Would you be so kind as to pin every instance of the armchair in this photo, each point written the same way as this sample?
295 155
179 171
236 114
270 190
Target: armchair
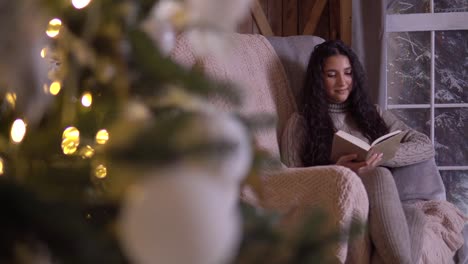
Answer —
269 73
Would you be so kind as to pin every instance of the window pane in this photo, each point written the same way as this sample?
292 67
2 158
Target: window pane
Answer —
415 118
456 186
451 83
408 68
409 7
451 136
441 6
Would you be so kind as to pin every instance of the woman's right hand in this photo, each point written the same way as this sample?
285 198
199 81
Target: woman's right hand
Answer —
359 167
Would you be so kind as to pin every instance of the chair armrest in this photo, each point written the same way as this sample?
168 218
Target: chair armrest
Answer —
339 192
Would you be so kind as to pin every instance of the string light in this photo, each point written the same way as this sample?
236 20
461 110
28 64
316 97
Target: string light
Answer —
79 4
102 136
18 130
71 133
1 167
100 171
53 28
11 99
70 140
87 99
43 52
87 152
55 88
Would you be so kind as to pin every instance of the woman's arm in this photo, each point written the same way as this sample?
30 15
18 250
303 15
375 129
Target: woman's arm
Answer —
415 146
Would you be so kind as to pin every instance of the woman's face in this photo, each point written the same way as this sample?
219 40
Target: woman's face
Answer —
337 78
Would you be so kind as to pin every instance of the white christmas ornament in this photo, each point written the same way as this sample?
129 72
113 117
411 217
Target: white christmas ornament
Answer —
230 166
179 216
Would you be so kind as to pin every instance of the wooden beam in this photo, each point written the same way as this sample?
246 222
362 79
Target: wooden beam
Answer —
314 16
346 10
264 5
260 19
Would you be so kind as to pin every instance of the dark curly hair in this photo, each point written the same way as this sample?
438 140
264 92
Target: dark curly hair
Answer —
314 105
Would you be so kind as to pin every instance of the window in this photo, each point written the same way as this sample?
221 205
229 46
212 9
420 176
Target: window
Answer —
427 81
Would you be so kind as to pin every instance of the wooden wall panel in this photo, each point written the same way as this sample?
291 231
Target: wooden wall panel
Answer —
346 20
290 17
304 9
334 19
290 26
275 16
323 27
247 26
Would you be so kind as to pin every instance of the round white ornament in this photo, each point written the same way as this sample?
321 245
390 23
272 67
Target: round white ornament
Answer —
179 216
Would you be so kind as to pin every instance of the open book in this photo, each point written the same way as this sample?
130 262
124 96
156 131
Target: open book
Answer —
344 143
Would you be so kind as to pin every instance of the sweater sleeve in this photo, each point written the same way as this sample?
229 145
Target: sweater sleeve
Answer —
415 146
293 135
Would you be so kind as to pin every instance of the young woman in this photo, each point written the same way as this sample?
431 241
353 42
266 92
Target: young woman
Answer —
334 98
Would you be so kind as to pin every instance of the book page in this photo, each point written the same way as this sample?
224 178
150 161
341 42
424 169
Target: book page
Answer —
344 144
355 140
387 147
384 137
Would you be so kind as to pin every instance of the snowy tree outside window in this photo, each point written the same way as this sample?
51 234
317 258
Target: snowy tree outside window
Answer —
427 81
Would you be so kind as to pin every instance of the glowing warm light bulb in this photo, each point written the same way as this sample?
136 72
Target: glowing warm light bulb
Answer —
70 140
43 52
100 171
72 133
102 136
1 167
55 88
87 152
18 130
11 99
78 4
53 28
87 99
69 146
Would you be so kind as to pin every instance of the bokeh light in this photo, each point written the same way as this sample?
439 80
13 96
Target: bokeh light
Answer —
2 171
11 99
87 99
100 171
53 29
87 152
18 131
102 136
70 140
79 4
55 88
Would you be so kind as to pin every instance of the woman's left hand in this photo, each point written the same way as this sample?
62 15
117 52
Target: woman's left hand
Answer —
371 163
360 167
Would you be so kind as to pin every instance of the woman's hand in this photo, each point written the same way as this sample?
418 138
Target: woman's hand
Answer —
360 167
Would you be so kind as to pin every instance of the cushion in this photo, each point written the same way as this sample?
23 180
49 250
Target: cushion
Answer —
420 181
294 53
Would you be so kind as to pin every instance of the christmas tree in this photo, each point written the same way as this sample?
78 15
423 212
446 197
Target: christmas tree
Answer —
106 144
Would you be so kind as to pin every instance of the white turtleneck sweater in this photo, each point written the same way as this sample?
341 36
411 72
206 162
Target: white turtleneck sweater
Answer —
416 147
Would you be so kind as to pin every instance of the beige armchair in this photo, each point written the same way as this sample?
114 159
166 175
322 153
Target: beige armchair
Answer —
268 85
